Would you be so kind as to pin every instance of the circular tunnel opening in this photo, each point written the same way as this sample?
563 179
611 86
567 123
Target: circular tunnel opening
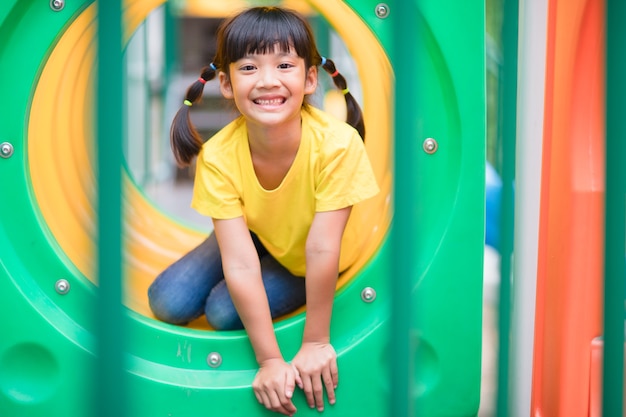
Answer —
61 144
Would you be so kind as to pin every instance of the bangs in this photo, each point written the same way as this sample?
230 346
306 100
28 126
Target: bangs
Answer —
261 32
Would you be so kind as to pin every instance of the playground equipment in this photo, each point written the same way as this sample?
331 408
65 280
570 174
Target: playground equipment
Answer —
573 174
561 251
47 228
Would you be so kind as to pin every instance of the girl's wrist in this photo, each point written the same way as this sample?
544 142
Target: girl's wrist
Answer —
265 357
315 336
267 361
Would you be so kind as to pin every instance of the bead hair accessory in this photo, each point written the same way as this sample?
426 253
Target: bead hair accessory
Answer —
323 61
201 80
334 74
187 103
213 67
345 91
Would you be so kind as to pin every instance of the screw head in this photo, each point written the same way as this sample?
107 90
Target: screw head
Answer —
57 5
368 294
6 149
214 359
382 10
62 286
430 146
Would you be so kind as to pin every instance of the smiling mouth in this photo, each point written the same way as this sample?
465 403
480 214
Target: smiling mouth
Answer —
269 102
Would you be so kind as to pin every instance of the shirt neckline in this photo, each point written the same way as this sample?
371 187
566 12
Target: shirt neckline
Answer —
249 166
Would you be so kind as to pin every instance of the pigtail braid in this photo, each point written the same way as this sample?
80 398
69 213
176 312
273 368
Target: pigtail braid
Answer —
354 114
184 138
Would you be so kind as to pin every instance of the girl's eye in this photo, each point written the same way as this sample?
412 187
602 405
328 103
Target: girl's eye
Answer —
285 66
247 68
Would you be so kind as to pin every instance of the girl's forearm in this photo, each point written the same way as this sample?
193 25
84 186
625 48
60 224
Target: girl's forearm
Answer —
322 269
321 282
242 272
251 303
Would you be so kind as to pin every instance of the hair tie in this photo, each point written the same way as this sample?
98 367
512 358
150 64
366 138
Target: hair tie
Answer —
213 67
202 80
187 103
334 74
345 91
323 61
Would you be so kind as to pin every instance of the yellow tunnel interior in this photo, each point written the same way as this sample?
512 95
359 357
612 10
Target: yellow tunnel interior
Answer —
61 134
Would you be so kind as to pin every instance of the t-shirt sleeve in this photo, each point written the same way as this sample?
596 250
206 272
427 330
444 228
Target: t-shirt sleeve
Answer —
214 194
346 176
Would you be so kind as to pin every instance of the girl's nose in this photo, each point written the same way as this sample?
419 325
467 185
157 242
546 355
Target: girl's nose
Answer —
268 78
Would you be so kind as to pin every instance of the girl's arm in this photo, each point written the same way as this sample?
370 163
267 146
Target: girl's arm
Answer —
317 361
275 380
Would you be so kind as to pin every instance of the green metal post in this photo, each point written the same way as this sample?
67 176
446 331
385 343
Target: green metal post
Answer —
404 248
615 227
110 389
507 131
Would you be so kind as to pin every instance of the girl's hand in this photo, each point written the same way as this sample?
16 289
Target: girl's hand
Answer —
273 386
316 364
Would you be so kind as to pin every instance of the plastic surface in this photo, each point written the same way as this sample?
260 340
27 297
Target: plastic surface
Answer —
47 230
571 222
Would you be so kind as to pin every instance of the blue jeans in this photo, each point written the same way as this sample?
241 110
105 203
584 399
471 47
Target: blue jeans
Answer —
194 285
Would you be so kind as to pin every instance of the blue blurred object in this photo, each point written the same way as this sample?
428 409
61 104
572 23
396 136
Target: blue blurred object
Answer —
493 189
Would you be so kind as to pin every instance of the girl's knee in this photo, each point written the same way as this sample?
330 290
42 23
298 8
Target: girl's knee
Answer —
220 311
223 319
169 308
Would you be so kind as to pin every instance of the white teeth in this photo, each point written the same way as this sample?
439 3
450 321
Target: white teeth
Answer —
271 102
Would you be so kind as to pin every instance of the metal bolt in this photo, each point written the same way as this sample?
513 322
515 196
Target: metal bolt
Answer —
382 10
368 294
430 146
6 149
214 359
62 286
57 5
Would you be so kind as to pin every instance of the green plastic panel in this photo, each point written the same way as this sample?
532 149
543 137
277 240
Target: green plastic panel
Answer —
48 341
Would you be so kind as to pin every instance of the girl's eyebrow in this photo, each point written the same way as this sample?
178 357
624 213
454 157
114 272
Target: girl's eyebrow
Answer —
280 53
290 51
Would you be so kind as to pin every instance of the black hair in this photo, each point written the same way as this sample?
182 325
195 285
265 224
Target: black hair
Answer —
257 30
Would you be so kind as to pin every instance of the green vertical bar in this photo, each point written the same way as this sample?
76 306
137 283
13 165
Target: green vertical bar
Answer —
171 41
615 227
507 130
404 249
110 386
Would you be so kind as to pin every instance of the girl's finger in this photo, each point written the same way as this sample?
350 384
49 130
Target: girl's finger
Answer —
277 404
334 372
318 392
298 378
308 391
329 384
258 396
265 400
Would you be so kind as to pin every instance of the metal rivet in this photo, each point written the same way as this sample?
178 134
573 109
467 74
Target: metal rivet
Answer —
6 149
214 359
430 146
382 10
368 294
62 286
57 5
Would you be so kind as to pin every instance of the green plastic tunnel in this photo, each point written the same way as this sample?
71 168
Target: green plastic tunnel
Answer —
48 227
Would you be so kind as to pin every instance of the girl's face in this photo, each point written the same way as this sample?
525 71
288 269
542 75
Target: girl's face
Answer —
269 89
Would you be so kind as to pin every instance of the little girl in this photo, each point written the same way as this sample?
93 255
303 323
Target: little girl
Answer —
279 183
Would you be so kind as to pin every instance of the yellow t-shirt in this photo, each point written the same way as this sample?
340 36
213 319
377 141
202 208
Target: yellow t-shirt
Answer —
330 171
